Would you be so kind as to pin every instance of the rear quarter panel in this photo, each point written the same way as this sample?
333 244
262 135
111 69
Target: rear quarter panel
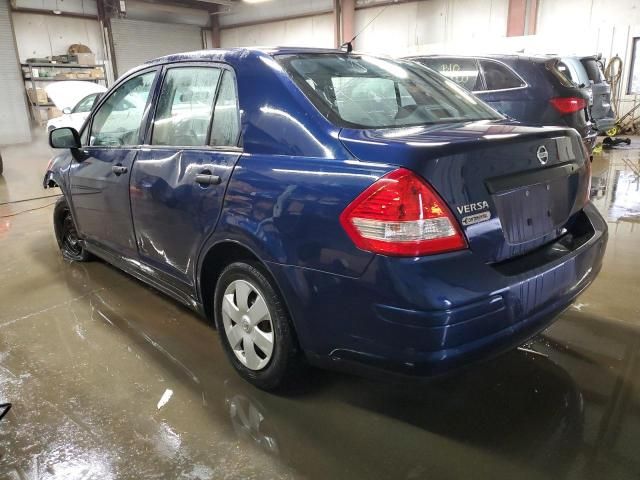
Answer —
286 210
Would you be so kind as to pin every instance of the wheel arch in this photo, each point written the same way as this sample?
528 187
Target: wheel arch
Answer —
215 259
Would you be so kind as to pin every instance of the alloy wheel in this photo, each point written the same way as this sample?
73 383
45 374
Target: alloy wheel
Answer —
247 324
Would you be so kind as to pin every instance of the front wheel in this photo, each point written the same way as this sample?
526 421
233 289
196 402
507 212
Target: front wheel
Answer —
67 234
255 328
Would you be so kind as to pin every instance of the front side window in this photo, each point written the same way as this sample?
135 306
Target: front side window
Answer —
499 77
359 91
463 71
119 118
185 105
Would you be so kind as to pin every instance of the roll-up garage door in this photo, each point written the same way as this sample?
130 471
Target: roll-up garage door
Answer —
136 41
14 119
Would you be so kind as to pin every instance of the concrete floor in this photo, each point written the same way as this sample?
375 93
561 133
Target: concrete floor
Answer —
110 379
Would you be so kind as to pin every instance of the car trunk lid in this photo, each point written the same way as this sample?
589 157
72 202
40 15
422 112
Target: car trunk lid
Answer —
512 188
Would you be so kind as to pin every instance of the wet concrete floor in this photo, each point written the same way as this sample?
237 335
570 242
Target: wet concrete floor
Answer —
110 379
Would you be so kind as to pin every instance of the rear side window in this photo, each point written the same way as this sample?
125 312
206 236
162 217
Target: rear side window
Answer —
184 108
463 71
225 128
499 77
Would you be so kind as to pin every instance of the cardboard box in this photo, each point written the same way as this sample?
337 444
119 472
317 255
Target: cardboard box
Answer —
53 112
38 95
86 58
83 75
96 73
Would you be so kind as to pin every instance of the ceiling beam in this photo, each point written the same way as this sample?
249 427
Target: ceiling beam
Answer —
199 4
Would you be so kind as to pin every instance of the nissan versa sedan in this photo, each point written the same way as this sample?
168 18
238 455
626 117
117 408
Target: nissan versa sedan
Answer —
330 208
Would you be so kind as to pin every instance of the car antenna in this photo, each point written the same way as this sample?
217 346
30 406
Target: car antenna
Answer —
349 45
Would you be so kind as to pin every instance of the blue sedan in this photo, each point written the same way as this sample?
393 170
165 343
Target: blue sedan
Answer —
330 208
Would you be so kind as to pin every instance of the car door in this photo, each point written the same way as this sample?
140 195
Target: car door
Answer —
504 90
99 180
179 179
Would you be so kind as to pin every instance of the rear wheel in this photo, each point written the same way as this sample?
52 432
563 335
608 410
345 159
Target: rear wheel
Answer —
67 234
254 327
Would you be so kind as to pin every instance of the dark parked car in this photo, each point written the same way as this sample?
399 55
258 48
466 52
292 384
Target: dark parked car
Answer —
530 89
601 110
345 209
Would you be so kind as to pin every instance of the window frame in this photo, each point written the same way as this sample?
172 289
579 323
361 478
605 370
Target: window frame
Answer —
144 121
484 80
152 117
635 49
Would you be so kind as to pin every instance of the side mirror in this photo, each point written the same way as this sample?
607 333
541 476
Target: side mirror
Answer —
66 110
65 137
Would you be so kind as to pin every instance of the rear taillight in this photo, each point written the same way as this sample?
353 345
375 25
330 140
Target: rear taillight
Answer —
401 215
566 105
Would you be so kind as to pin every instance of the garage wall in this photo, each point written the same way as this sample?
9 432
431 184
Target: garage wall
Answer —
315 31
14 122
85 7
45 35
436 22
136 41
275 9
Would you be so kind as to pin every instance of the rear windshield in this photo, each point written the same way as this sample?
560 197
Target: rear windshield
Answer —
593 69
574 70
561 72
359 91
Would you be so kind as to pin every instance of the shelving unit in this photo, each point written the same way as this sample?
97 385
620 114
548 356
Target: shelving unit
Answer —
38 73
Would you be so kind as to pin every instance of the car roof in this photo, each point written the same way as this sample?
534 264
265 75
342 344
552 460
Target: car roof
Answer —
238 52
492 56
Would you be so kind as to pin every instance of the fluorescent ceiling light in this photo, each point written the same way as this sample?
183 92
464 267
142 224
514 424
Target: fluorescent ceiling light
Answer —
254 1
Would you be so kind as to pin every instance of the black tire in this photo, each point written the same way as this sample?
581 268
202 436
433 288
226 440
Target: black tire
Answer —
286 361
67 234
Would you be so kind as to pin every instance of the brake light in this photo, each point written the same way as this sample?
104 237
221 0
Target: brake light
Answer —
401 215
566 105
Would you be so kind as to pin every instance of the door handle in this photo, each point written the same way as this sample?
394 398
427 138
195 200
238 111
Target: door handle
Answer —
207 179
119 169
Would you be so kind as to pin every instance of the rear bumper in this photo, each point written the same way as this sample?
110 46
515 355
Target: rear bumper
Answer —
604 124
429 315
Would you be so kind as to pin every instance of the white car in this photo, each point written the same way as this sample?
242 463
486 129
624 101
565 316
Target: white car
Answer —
75 99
